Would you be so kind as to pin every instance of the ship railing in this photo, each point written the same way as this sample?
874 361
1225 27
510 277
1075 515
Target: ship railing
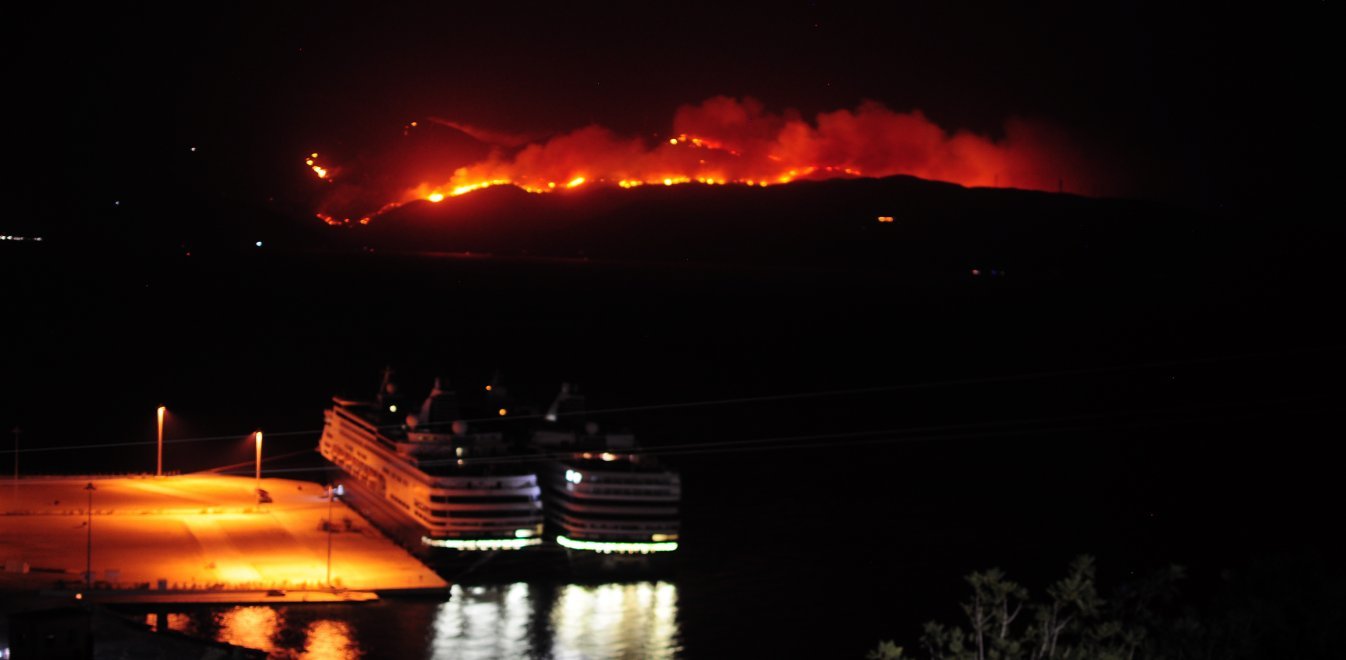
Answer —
625 493
662 527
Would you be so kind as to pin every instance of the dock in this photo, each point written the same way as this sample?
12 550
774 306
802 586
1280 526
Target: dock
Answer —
197 538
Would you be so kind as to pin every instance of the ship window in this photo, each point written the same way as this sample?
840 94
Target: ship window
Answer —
481 499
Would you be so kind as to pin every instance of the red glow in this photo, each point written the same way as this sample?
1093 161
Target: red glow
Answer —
727 141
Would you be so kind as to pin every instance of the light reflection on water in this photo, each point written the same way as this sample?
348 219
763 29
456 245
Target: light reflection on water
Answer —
623 620
254 627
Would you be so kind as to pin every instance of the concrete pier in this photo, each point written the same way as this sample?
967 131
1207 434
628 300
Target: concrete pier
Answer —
196 538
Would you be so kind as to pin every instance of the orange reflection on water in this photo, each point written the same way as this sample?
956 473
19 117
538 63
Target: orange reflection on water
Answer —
329 640
254 627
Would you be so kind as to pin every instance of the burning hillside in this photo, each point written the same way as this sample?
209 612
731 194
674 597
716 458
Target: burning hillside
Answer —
721 141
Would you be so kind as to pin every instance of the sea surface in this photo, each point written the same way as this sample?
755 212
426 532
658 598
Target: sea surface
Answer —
518 620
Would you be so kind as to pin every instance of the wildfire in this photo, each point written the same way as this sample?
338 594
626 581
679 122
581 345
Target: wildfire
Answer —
725 141
312 162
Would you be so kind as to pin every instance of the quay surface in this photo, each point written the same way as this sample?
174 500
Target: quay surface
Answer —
197 538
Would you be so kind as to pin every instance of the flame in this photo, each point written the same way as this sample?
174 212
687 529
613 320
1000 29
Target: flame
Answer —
727 141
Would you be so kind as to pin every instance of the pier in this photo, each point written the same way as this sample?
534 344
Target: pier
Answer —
197 538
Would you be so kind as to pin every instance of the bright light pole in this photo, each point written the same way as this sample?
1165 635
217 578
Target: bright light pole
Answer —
159 470
259 467
88 549
331 496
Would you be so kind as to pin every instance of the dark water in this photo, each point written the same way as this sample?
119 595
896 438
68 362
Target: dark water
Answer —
1147 415
632 620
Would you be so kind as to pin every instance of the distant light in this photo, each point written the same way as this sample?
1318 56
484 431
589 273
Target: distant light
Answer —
488 388
668 182
885 218
392 408
116 202
673 140
313 155
524 533
436 197
79 596
608 456
502 412
259 244
193 148
574 477
577 181
976 272
340 490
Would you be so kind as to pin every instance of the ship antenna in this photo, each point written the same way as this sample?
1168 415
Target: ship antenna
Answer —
385 385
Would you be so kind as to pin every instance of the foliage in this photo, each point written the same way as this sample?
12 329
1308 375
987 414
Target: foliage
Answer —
1072 622
1281 606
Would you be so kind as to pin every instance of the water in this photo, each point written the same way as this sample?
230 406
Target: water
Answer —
614 620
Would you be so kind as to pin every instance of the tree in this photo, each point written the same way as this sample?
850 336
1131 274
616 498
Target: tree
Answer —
1074 622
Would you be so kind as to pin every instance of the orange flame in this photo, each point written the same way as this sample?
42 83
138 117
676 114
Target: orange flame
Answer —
726 141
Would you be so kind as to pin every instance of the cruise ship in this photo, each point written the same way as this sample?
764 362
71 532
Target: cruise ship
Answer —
607 504
440 484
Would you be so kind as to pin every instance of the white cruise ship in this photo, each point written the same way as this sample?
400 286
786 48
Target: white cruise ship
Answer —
603 497
418 468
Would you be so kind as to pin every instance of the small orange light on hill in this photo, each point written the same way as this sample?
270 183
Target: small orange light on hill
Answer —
885 218
503 412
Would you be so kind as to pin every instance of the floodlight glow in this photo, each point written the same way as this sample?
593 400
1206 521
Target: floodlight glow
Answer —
480 544
607 547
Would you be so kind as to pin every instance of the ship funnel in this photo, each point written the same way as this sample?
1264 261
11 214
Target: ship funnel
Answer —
441 407
568 402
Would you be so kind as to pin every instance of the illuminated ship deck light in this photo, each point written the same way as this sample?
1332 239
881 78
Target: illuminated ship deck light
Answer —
481 544
608 547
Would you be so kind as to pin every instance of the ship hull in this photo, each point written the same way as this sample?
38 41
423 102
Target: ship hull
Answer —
464 566
587 565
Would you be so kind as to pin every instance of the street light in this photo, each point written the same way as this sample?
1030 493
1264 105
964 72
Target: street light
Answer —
88 550
259 467
159 470
331 497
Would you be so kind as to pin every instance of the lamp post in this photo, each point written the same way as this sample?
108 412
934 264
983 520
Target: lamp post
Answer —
259 467
159 469
331 496
88 548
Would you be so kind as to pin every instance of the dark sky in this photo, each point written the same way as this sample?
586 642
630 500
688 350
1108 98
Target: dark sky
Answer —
1201 106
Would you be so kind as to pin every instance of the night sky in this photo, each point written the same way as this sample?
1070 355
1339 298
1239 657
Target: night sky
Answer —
1214 109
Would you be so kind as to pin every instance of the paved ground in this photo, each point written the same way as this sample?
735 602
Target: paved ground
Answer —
196 531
